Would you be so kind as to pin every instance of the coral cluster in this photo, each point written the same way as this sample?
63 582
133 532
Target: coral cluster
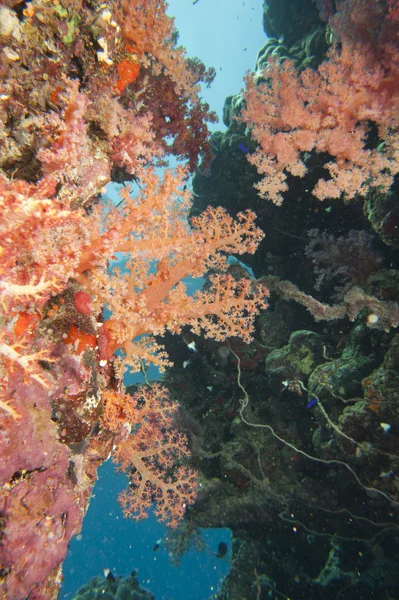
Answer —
113 587
337 110
80 106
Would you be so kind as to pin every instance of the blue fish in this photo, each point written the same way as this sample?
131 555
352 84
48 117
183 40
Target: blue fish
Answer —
311 403
243 148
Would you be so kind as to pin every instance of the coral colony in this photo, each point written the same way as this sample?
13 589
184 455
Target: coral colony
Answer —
95 92
90 93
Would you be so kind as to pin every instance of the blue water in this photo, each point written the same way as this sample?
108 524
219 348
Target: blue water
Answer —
109 541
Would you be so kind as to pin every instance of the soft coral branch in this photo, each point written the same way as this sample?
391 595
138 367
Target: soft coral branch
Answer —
146 302
151 453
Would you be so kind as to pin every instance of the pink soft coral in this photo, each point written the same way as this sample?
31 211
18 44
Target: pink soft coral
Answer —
329 111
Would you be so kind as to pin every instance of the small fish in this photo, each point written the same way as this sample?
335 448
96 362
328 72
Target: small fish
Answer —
243 148
186 363
386 427
387 474
156 545
108 575
311 403
192 347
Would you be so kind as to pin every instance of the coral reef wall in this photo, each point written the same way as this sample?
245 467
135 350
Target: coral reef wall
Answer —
94 92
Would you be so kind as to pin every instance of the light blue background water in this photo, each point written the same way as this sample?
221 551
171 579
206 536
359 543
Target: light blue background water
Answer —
108 541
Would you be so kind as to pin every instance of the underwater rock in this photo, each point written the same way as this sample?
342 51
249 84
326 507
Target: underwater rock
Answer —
344 374
289 20
113 587
296 360
383 213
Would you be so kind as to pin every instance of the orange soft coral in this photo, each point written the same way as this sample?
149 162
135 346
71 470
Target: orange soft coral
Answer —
151 454
153 229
